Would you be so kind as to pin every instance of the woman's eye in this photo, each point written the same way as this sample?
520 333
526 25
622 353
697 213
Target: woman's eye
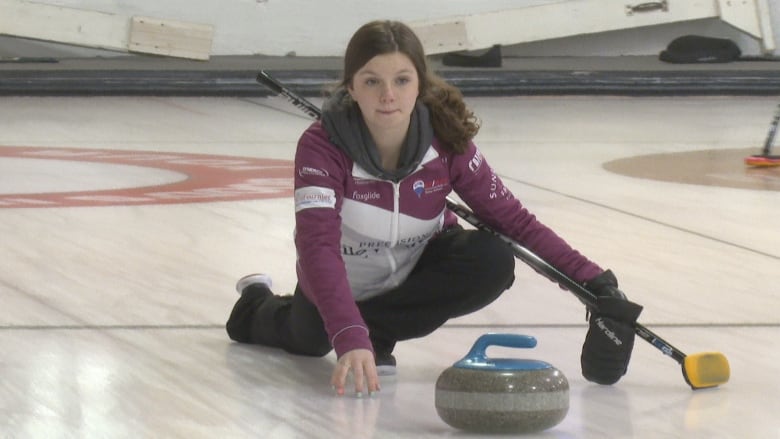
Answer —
402 81
371 81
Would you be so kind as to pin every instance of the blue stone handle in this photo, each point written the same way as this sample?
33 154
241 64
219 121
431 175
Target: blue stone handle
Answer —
477 353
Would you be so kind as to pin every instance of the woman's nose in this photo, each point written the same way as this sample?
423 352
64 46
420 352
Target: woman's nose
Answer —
387 93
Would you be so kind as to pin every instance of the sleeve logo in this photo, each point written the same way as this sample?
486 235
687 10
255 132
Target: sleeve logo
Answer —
306 170
475 162
311 197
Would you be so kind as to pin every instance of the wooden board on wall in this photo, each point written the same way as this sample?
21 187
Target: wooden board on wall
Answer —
104 30
170 38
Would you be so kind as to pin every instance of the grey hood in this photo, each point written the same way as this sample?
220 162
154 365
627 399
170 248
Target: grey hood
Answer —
346 128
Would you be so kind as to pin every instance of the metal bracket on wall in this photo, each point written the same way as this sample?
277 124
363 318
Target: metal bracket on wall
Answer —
647 7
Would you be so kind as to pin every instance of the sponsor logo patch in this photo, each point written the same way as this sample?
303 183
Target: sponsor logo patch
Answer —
365 196
418 187
306 170
421 187
313 196
476 162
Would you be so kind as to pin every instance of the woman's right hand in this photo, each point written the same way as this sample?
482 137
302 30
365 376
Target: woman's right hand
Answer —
360 362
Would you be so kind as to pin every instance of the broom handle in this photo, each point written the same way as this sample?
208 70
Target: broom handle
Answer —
770 138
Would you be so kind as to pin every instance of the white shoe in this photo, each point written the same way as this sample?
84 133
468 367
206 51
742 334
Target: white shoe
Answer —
385 371
385 364
252 279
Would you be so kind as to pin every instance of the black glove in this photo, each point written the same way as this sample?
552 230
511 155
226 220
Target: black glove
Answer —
610 339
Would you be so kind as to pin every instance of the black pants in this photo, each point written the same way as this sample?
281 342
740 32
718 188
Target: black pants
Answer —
460 271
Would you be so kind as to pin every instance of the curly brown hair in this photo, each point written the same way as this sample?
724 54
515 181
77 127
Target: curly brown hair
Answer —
454 124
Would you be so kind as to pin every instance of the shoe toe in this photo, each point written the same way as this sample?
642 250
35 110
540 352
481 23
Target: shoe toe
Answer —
251 279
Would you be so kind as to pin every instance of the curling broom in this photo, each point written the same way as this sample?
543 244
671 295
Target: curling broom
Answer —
765 159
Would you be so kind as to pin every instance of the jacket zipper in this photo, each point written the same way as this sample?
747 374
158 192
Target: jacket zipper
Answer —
395 223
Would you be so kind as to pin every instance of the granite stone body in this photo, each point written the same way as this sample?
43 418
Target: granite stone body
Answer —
502 396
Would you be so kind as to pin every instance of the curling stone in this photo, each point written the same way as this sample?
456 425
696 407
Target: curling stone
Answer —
502 395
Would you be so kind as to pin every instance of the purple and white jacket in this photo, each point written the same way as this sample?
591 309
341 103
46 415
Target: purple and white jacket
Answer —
358 235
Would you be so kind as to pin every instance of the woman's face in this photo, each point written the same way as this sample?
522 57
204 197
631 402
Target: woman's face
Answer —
386 90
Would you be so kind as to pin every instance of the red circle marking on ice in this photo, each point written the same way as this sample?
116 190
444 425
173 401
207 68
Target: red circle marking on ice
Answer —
209 178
